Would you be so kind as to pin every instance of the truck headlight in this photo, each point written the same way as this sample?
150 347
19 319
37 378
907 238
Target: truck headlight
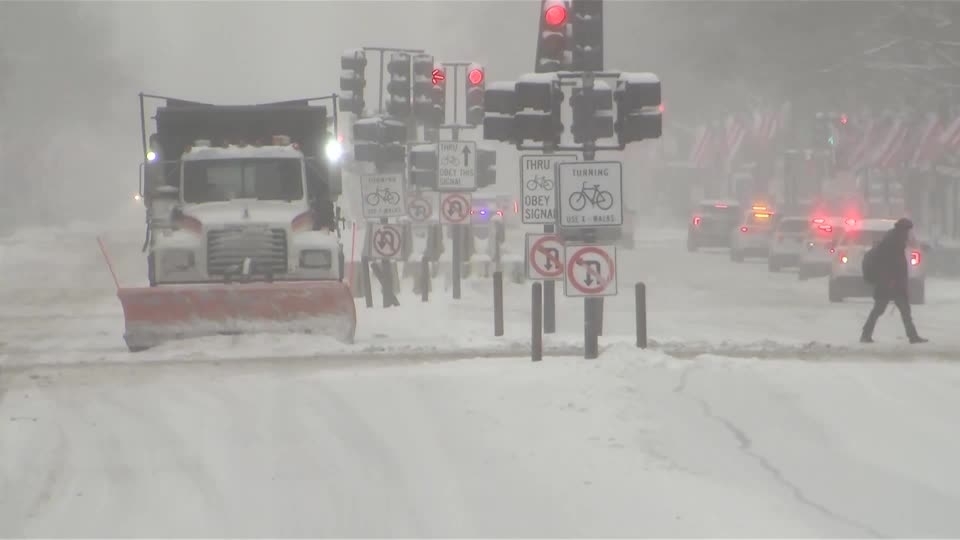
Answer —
316 258
177 260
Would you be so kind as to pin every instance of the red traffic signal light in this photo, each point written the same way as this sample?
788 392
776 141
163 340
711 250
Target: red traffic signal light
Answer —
555 15
475 76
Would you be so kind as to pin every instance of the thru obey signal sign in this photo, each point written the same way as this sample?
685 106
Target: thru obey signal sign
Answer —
591 271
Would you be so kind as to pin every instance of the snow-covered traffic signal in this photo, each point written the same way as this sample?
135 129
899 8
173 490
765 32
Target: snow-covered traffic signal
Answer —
423 95
638 100
586 24
552 43
399 87
486 167
538 100
592 113
353 64
474 92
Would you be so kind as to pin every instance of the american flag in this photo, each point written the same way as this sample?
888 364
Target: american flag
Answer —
926 141
949 142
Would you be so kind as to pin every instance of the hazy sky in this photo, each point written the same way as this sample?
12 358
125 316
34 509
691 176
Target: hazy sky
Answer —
76 75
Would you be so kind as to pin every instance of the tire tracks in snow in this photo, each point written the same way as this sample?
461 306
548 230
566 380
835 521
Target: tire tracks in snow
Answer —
745 445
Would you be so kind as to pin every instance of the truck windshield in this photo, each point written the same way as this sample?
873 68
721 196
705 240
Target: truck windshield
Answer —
270 179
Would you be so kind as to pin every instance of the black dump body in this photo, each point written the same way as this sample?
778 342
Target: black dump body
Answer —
180 123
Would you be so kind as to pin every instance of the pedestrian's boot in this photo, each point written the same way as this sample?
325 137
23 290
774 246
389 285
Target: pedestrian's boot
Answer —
865 338
918 339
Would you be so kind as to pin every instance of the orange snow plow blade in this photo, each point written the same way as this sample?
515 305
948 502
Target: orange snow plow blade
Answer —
154 315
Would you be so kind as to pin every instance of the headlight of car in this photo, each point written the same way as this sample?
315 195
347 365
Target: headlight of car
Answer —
177 260
316 258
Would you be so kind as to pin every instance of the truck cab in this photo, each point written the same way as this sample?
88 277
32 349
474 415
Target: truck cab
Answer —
227 208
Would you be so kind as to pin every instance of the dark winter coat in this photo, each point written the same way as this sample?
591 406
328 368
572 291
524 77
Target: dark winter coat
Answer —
891 261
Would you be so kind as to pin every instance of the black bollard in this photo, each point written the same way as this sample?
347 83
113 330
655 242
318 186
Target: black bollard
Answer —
640 294
536 312
498 303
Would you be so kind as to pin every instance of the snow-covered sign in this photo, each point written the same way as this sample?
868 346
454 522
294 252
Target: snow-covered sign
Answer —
538 186
382 196
591 194
591 271
423 207
457 165
544 256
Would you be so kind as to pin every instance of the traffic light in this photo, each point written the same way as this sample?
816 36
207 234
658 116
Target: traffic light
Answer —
486 167
423 166
500 104
439 97
399 87
423 88
378 140
587 29
638 100
476 83
552 44
592 113
353 62
538 99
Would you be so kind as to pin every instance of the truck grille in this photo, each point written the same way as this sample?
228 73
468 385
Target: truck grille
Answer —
267 249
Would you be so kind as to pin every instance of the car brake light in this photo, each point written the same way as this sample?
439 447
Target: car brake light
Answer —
500 213
915 258
720 206
819 220
850 221
743 229
696 221
832 250
825 228
761 215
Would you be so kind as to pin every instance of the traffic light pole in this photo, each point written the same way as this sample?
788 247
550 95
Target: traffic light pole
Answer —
385 276
457 231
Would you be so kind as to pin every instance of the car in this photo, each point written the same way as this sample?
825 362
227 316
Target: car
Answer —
819 246
751 238
711 224
846 271
787 243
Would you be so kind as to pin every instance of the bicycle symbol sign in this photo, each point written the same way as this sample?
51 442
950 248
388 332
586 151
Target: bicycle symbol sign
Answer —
591 194
538 187
382 196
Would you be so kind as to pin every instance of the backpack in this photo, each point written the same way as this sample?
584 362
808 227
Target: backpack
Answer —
869 267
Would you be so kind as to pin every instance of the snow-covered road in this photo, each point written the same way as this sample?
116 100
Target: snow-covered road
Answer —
626 446
718 430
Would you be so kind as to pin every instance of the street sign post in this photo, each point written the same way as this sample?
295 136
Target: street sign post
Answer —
590 194
423 207
590 271
538 187
386 241
544 256
455 208
382 196
457 165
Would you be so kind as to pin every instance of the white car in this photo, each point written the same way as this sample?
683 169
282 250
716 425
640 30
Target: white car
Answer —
787 243
846 272
751 238
819 246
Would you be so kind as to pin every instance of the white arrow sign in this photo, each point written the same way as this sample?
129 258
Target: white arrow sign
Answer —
457 162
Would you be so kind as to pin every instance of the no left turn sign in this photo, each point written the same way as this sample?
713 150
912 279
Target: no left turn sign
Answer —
454 208
544 256
591 271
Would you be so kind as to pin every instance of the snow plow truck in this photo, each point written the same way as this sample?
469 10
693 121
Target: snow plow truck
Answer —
242 224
